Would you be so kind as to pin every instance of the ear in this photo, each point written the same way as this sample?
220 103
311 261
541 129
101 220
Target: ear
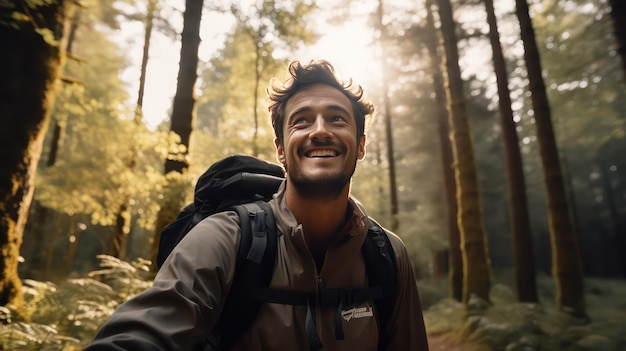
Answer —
361 151
280 152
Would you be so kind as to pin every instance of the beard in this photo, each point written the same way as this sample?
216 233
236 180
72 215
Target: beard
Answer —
326 186
330 187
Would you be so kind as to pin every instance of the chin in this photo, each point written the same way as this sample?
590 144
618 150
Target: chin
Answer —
320 185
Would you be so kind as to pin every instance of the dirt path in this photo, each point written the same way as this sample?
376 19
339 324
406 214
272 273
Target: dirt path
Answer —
444 343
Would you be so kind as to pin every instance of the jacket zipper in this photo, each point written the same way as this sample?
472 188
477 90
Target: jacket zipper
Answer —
317 311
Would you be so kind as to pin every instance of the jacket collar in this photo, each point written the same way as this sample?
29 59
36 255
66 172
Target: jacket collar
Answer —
287 223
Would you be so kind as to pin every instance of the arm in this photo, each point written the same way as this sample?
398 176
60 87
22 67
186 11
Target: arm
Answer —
409 332
187 295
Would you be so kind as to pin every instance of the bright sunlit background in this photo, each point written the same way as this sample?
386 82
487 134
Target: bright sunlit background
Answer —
348 46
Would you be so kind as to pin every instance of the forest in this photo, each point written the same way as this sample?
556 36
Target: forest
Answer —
496 152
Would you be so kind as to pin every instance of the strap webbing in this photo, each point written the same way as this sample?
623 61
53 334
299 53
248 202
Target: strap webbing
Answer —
327 297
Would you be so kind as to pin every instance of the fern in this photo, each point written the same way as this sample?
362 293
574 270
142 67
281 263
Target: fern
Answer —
67 316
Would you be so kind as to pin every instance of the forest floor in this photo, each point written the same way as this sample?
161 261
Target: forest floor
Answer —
506 324
445 343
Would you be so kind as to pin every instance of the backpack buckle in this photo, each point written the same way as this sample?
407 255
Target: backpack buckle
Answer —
379 240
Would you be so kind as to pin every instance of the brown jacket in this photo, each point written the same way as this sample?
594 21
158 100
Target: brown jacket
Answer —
187 296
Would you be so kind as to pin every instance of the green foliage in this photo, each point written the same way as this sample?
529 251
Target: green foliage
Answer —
67 316
28 15
97 179
228 85
107 159
234 81
583 73
510 325
22 336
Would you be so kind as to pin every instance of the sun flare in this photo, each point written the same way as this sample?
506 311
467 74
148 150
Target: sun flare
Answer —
350 48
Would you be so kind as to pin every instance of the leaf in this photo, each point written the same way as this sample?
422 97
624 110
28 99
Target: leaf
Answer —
48 36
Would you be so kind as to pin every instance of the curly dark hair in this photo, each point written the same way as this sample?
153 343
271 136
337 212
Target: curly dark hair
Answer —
302 77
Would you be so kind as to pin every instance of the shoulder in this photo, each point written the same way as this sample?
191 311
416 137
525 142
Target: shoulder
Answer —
216 235
399 249
396 242
221 221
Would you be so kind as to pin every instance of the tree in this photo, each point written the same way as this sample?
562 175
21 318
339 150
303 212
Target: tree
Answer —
476 266
39 213
123 220
183 111
391 159
91 179
35 42
566 261
227 100
455 258
250 56
584 80
518 205
267 23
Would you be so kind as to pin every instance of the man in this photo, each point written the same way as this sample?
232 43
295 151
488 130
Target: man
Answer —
319 124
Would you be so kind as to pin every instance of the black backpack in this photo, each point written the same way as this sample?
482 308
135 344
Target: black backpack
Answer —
245 184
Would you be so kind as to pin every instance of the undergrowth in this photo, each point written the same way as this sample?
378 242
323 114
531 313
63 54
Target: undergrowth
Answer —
66 316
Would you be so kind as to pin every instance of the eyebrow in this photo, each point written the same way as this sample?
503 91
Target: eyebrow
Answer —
329 107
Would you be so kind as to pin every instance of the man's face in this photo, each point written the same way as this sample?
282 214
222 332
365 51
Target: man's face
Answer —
320 149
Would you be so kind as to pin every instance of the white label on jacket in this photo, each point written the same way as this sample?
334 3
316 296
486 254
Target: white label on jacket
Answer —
357 312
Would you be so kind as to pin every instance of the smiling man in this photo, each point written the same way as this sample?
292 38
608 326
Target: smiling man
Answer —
322 248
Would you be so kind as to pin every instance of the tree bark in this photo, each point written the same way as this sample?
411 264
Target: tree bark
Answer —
455 258
39 232
566 261
476 264
183 111
391 158
29 67
518 205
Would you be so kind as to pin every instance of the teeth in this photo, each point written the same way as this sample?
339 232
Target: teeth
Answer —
322 153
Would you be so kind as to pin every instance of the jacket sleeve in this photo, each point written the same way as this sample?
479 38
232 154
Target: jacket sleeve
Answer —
408 330
184 302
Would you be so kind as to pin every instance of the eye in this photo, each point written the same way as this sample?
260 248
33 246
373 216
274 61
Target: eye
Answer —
337 118
299 120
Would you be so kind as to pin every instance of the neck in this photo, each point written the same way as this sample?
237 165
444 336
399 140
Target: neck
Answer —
321 217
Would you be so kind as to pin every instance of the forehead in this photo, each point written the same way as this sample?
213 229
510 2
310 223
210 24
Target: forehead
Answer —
318 96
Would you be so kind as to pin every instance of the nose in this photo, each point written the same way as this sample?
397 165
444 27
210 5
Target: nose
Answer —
320 130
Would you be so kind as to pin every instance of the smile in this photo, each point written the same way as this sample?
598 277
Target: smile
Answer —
321 153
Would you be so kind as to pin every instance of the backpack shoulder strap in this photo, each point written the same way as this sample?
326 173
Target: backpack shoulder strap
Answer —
381 267
256 259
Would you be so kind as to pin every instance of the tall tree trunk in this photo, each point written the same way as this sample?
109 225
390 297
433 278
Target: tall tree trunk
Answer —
618 13
149 23
183 111
518 205
391 158
455 258
29 67
122 227
40 233
566 260
476 265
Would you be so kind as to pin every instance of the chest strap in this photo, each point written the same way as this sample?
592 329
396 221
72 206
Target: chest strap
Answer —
323 298
339 298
